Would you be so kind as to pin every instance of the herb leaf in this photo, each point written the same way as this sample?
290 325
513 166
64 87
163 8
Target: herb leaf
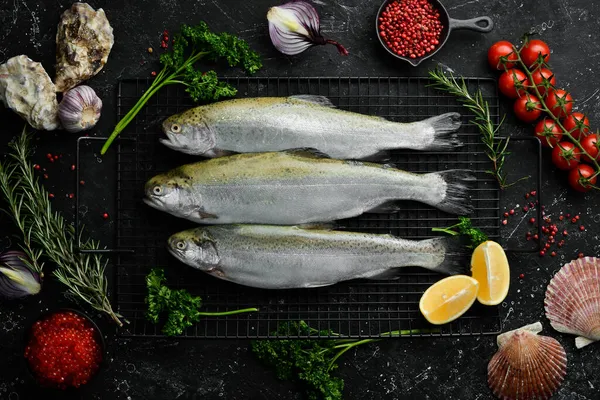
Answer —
190 45
182 309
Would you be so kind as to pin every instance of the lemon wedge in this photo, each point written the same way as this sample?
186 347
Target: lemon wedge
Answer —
489 266
448 299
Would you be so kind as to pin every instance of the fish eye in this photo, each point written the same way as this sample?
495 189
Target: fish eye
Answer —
175 128
157 190
180 245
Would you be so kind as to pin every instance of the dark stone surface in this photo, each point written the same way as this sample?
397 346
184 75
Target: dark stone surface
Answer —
419 369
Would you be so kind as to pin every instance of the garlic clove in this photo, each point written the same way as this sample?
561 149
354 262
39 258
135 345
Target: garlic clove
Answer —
79 109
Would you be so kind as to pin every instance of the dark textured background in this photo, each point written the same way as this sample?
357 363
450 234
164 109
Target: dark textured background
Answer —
418 368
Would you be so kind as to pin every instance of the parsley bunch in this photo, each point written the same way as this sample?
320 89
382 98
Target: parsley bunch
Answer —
309 362
182 309
190 45
465 227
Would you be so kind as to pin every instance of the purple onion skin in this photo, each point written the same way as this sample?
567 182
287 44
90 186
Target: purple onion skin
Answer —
292 43
10 289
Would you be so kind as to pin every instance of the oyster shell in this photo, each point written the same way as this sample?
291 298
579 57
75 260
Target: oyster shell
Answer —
572 300
526 366
26 88
83 43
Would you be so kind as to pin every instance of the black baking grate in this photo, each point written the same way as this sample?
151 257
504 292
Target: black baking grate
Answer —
353 309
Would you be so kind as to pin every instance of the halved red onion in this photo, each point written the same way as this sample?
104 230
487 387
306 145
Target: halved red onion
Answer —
294 27
16 280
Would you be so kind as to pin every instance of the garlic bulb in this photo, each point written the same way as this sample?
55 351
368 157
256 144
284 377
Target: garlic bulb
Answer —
79 109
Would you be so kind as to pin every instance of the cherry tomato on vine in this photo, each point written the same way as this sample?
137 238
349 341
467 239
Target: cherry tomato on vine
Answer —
582 178
590 145
511 83
566 156
527 108
500 54
544 79
559 102
548 132
578 124
531 51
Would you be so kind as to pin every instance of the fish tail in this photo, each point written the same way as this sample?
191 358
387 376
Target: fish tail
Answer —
444 136
456 199
456 260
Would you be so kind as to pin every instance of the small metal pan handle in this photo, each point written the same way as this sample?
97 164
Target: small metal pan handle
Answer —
479 24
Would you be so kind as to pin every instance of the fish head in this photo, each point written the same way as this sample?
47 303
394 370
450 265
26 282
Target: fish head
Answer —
189 133
169 193
196 248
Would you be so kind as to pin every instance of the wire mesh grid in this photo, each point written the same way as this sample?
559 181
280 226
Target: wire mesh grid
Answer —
354 309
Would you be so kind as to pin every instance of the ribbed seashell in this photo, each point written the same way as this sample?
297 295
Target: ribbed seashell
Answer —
83 43
26 88
526 366
573 300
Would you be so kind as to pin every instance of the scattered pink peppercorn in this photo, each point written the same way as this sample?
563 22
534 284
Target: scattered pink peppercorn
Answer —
511 212
522 276
582 228
105 215
504 222
580 255
531 220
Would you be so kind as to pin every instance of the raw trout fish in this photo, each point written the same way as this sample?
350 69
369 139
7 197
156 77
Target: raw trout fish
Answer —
286 257
266 124
297 187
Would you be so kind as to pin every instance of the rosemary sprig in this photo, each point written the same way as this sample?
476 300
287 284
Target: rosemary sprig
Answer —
29 204
14 209
496 149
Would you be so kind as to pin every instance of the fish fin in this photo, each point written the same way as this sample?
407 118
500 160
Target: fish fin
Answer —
321 226
444 136
581 341
387 275
310 98
387 207
215 153
205 215
381 156
456 199
307 152
456 255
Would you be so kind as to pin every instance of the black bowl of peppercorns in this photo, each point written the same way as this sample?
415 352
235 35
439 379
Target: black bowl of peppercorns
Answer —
414 30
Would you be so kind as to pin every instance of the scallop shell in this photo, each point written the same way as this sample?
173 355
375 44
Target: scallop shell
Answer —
573 300
83 43
26 88
526 366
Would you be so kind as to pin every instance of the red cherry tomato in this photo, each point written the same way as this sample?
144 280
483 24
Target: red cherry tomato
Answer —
565 156
578 124
527 108
582 178
530 53
499 55
548 132
559 102
590 145
544 79
511 83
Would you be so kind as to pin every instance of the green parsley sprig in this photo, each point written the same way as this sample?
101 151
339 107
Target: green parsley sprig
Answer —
192 44
309 362
465 227
182 309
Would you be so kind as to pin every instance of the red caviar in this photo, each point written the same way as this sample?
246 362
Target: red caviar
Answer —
63 350
410 28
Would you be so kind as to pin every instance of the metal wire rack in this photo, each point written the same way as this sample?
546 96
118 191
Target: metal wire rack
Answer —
354 309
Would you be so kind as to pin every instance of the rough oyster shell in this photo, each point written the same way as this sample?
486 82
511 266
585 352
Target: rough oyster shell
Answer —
26 88
526 366
572 301
83 43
